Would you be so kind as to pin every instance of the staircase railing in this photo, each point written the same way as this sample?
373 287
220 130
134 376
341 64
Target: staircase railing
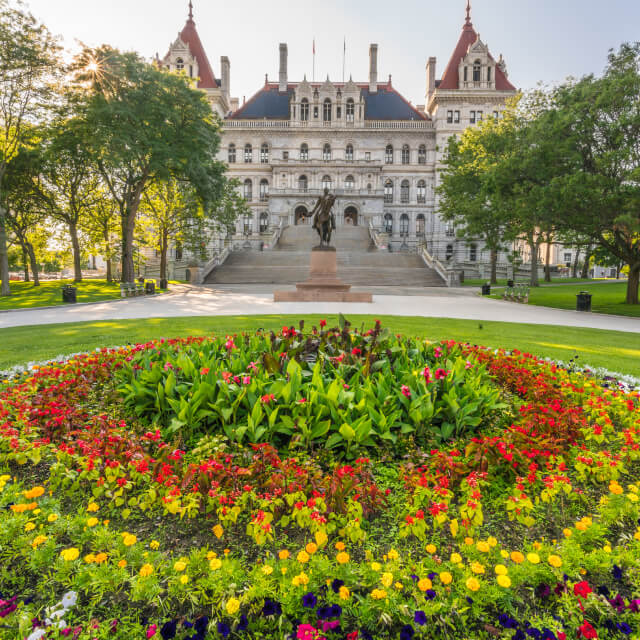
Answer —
217 260
376 238
275 236
450 276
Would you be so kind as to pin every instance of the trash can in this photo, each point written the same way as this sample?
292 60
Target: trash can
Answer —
583 302
509 283
461 277
150 287
164 283
187 276
486 289
69 294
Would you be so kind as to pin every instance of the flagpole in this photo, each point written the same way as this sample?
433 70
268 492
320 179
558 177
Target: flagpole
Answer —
314 60
344 57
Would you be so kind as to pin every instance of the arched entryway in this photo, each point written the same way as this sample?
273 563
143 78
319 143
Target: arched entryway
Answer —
301 215
351 216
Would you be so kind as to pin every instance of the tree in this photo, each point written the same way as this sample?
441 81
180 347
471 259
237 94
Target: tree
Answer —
102 230
29 62
145 126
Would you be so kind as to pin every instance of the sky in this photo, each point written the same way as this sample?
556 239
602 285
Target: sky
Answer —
541 40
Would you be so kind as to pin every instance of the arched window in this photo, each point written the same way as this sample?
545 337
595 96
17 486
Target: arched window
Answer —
264 190
348 153
404 192
304 109
349 183
264 222
449 254
422 191
264 153
422 154
179 64
326 152
404 224
477 68
473 253
388 154
303 183
248 190
420 224
232 153
406 154
248 153
326 182
247 224
326 110
388 192
304 152
351 110
388 223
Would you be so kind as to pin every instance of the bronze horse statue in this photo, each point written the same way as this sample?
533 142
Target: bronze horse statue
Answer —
324 222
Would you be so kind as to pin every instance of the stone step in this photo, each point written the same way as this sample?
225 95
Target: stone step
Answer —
345 258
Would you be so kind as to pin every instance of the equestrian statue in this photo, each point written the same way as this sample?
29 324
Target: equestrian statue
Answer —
324 222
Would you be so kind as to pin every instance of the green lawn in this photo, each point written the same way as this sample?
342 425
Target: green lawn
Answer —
611 349
49 293
607 297
502 282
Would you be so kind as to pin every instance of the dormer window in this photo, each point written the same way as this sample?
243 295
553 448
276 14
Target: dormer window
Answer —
179 64
304 110
477 68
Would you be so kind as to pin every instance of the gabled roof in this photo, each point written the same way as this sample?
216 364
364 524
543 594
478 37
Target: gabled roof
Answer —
450 78
190 37
386 104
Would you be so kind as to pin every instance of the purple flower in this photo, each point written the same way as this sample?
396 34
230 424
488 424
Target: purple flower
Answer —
618 603
243 624
223 629
519 635
547 634
365 635
201 625
603 590
335 611
432 575
271 607
309 601
168 630
430 594
623 627
534 633
407 632
543 591
420 618
634 606
336 584
507 621
616 572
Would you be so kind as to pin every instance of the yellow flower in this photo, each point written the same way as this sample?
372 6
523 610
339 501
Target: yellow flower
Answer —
583 572
92 507
614 487
211 554
302 557
492 542
501 570
393 555
446 577
100 558
52 517
321 538
340 545
431 548
555 561
342 557
233 605
504 581
424 584
311 548
533 558
129 539
344 593
215 564
517 557
300 579
476 567
89 558
179 565
504 553
29 526
607 548
537 546
184 579
472 584
122 564
70 554
567 533
36 492
154 544
283 555
38 540
218 531
386 579
267 570
456 558
468 541
92 522
633 497
483 547
399 586
378 594
146 570
376 566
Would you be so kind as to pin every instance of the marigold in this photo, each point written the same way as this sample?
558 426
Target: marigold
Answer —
456 558
311 548
472 584
215 564
342 557
154 544
431 548
501 570
344 593
483 547
129 539
100 558
504 581
89 558
468 541
376 566
340 546
492 542
122 564
233 604
567 533
424 584
300 579
476 567
386 579
555 561
38 540
92 507
70 554
393 555
302 557
21 508
378 594
218 531
36 492
179 565
267 570
146 570
517 557
92 522
446 577
533 558
283 555
504 553
614 487
52 517
184 579
29 526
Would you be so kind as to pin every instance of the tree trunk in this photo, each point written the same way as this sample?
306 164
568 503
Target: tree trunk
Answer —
494 266
633 283
164 247
34 264
107 247
5 290
533 245
585 266
574 270
547 262
75 245
128 268
618 269
25 263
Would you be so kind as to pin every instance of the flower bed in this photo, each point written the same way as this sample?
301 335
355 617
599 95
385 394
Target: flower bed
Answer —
315 484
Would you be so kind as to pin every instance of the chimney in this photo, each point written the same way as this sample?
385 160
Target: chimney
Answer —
235 104
283 68
225 79
373 68
431 79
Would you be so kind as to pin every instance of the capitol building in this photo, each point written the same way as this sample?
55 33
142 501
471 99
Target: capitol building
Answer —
362 139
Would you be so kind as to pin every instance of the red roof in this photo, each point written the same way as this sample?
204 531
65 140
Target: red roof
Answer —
190 37
450 78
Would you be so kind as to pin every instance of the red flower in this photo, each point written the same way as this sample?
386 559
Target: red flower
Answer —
582 589
323 324
204 371
585 630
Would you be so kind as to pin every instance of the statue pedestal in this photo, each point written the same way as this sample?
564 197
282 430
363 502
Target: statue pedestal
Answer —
323 284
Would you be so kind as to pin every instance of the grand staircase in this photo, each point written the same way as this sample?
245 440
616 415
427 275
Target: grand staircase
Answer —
359 263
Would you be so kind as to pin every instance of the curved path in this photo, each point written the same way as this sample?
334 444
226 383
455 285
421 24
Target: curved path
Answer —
210 301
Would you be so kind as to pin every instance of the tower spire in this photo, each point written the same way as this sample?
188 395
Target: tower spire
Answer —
468 20
191 10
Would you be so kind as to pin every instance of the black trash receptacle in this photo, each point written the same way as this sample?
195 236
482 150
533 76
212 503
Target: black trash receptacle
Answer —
486 289
150 288
164 283
583 301
69 294
510 283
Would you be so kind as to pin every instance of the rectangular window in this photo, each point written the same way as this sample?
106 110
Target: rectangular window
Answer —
338 113
466 74
315 112
449 117
567 257
456 117
488 74
496 114
472 117
367 156
480 116
285 155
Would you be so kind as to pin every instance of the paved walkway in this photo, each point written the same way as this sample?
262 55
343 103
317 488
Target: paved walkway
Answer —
210 301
